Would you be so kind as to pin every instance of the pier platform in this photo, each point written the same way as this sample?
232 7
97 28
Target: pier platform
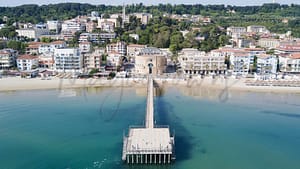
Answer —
148 144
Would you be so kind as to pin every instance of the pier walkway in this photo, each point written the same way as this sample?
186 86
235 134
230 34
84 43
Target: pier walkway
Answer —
149 121
148 144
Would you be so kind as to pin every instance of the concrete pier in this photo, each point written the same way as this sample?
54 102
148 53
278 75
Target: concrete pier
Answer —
148 144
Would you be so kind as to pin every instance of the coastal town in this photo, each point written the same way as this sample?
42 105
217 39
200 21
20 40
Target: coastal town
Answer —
89 46
179 84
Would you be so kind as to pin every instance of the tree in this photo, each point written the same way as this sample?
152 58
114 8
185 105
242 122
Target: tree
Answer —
176 42
46 40
17 45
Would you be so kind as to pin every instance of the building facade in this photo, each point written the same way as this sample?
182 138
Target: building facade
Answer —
290 63
68 60
8 58
119 47
266 64
93 60
27 62
150 60
195 62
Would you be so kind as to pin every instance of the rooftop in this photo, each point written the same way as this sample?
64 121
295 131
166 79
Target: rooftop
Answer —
295 56
149 139
27 57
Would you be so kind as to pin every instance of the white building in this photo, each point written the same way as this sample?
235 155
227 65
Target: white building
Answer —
290 63
257 29
134 49
113 59
96 37
32 33
85 47
72 25
54 26
27 62
7 58
107 25
288 49
269 43
50 47
119 47
94 15
241 62
68 60
266 64
193 61
236 32
134 36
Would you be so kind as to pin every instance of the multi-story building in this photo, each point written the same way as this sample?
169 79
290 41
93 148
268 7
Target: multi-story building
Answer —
32 33
33 48
269 43
266 64
134 49
72 25
46 60
50 47
93 60
85 47
113 59
236 32
27 62
150 60
107 26
257 29
94 15
241 62
91 26
7 58
68 60
193 61
290 63
96 37
144 17
287 49
119 47
54 26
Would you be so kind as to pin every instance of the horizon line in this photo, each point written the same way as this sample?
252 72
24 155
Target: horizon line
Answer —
145 4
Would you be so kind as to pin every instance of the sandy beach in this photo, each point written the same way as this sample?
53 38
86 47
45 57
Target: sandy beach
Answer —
17 83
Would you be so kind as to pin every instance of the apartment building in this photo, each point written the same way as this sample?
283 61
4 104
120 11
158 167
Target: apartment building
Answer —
8 58
27 62
68 60
193 61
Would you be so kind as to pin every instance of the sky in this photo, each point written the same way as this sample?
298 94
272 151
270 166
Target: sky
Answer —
148 2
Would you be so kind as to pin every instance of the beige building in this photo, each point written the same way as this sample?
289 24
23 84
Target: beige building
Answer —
150 60
144 17
268 43
134 49
119 47
7 58
290 63
93 60
193 61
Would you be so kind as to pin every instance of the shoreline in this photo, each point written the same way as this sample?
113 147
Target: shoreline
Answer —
21 84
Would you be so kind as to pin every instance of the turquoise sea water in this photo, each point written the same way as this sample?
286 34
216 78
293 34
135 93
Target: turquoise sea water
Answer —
83 128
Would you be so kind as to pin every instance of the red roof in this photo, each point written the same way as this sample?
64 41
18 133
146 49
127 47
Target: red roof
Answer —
58 42
27 57
295 56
